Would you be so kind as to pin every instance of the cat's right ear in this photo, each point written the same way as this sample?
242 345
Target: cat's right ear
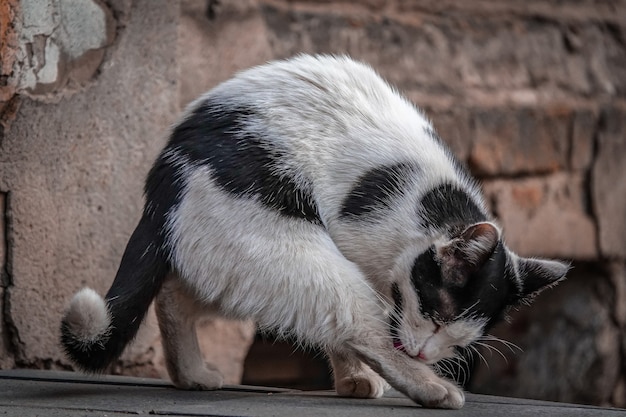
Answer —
536 275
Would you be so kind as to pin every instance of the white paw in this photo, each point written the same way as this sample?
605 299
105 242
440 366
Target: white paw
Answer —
442 394
202 379
361 385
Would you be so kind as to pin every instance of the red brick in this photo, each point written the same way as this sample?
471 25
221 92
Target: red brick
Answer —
461 49
545 216
517 142
454 129
609 183
584 125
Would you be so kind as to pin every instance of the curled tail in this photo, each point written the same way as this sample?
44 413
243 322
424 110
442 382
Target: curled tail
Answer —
94 331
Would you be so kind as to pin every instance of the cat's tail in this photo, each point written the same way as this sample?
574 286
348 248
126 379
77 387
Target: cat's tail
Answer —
94 331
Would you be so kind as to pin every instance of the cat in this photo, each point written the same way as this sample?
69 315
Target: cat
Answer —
309 195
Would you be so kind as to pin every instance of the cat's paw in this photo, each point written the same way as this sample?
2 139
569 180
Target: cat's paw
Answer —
361 385
442 394
201 379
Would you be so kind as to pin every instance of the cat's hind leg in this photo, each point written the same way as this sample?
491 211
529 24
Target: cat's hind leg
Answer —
177 313
355 379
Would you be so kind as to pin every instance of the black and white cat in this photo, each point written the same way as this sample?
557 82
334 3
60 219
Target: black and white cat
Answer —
309 195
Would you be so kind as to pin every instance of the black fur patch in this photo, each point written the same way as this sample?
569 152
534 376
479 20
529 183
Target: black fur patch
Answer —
163 190
396 315
376 189
486 294
242 163
449 206
427 281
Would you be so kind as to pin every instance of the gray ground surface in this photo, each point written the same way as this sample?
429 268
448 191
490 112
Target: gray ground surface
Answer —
27 393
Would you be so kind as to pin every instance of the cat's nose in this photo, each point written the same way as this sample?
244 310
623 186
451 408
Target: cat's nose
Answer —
421 356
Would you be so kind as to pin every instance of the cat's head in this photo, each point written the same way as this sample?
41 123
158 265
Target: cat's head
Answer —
459 287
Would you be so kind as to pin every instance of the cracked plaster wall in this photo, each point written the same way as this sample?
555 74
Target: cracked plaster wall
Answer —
62 44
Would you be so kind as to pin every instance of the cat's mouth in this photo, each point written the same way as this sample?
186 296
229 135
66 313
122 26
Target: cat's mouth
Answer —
397 344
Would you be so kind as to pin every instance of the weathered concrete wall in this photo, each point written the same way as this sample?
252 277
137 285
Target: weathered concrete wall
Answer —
97 87
530 94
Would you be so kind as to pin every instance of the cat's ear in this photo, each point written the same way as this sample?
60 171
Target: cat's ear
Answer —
536 275
467 252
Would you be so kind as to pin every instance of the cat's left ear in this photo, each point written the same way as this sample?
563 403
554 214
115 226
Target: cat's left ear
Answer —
536 275
467 252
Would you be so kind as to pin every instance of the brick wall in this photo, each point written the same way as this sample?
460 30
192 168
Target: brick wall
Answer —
531 95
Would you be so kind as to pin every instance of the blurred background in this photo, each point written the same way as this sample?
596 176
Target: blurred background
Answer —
531 95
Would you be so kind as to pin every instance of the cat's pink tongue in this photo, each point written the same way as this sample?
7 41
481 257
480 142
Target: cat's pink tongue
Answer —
398 345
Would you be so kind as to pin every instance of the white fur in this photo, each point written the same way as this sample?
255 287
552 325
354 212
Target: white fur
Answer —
234 253
87 317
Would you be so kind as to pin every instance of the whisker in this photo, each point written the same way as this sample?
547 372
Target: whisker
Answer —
510 345
463 375
443 365
493 349
480 355
450 365
464 360
467 310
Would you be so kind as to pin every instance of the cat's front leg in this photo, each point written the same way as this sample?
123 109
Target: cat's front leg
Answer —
353 378
410 376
